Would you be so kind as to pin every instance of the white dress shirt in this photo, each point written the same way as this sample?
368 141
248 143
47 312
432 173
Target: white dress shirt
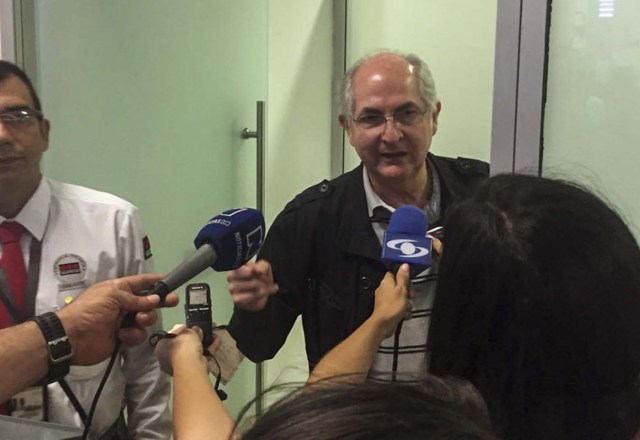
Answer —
89 236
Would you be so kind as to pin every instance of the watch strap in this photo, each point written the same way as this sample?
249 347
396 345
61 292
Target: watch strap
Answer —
58 346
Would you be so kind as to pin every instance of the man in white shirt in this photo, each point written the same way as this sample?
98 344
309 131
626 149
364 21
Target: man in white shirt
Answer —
71 237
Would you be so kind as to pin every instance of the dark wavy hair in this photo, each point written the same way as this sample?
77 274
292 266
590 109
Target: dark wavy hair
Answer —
538 305
437 409
8 69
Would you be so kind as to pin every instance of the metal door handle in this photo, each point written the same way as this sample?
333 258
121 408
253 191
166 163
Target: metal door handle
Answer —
258 135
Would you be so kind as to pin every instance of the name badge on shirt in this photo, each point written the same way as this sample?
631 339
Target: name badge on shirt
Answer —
28 404
71 271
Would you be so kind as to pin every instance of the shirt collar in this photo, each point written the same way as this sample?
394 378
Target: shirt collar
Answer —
373 199
35 213
433 205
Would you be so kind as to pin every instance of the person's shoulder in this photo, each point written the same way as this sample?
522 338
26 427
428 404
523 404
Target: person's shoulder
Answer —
322 192
82 195
463 166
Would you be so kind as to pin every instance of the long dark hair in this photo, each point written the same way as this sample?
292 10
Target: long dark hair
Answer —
538 305
437 409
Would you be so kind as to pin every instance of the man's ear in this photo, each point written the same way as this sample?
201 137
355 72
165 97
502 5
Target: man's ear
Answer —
434 118
344 123
45 127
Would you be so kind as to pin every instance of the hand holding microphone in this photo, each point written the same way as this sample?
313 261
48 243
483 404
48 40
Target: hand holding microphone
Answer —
226 242
392 301
406 241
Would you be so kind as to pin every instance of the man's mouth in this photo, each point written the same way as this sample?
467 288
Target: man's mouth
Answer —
8 160
393 155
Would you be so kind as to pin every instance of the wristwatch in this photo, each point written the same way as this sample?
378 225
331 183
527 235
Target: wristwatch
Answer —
58 345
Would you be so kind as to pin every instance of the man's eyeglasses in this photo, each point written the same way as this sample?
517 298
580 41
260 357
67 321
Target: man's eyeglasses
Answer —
20 117
404 117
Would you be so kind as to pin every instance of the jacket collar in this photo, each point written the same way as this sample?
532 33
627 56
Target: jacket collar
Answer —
355 234
451 187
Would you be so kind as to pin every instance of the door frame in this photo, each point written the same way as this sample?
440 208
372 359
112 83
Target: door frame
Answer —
18 35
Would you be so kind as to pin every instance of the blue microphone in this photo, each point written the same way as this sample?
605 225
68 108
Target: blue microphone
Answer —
226 242
406 241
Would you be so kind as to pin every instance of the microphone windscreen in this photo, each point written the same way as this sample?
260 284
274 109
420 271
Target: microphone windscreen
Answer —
236 235
405 240
408 219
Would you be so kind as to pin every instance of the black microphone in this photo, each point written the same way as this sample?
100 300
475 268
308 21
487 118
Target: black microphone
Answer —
405 240
225 243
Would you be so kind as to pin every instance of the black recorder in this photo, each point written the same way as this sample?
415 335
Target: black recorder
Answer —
197 311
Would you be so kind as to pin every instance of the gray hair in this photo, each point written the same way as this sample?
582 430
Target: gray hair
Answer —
426 84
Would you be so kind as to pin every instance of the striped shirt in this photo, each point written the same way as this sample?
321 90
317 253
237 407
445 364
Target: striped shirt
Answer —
402 357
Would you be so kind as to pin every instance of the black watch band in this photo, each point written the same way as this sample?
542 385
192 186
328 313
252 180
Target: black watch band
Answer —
58 345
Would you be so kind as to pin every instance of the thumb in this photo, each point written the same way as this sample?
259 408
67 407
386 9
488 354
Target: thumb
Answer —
402 277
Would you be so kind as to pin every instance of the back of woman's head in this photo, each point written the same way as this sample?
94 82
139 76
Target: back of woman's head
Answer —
436 410
538 304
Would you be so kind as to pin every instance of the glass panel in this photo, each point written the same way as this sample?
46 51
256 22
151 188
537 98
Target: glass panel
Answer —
147 100
593 99
458 44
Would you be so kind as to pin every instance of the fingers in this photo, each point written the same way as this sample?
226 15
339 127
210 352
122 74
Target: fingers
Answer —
251 285
132 335
198 331
171 300
146 319
137 283
132 303
249 271
178 328
437 245
214 345
261 269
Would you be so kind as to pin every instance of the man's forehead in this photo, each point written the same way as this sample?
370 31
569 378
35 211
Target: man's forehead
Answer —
385 63
383 80
14 93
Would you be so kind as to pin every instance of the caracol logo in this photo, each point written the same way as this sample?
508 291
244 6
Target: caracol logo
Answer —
407 248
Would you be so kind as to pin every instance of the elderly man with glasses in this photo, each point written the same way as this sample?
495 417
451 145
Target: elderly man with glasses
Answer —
56 240
321 258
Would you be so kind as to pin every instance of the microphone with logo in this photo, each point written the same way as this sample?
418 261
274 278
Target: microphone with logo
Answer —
225 243
406 241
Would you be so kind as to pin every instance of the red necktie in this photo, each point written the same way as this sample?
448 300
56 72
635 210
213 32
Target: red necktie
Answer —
12 264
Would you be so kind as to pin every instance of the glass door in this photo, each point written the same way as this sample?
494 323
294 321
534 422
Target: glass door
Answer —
593 99
147 100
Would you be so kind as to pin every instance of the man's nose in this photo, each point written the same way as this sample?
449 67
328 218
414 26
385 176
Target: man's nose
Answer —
391 131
